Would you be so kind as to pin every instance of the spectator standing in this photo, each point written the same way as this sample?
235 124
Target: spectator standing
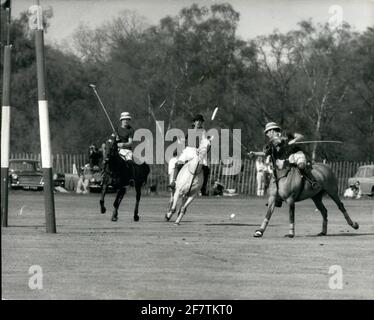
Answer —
260 176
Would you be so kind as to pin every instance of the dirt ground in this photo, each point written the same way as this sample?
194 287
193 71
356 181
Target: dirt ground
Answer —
208 256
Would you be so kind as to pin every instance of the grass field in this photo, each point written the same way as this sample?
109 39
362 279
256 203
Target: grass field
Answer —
208 256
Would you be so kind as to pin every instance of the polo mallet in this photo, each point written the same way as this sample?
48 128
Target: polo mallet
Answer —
162 106
318 141
214 116
214 113
102 106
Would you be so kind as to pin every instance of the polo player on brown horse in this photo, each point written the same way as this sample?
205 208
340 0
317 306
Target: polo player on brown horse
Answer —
294 180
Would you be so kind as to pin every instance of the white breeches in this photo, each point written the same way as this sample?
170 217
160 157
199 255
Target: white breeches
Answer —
297 158
126 154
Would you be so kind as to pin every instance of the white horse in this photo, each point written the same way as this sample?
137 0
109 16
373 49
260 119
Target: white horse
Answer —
189 182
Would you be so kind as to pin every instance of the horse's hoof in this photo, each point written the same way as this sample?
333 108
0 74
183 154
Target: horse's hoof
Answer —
289 235
355 225
136 218
321 234
167 218
103 210
258 234
176 223
114 219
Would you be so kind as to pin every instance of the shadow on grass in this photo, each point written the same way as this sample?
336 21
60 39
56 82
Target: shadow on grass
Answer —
346 234
233 224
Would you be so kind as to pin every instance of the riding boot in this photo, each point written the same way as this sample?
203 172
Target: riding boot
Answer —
306 172
132 173
177 168
206 172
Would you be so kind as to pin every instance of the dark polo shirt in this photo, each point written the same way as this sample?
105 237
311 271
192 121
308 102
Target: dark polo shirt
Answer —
125 134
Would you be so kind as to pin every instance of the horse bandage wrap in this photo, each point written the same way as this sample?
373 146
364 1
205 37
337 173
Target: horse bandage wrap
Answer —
297 158
125 154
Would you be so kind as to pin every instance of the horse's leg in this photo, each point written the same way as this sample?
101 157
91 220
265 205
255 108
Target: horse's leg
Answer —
102 197
138 196
291 211
317 199
334 196
173 208
184 208
120 194
171 200
271 205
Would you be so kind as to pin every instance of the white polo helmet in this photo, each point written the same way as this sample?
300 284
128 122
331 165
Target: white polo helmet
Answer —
270 126
125 115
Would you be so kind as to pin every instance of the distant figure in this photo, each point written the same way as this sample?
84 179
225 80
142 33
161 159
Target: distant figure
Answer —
102 150
83 182
267 175
95 156
358 190
354 191
260 177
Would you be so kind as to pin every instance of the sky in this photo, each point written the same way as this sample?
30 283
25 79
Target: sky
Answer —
256 17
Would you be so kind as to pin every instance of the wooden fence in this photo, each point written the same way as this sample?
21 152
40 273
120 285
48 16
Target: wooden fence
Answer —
244 182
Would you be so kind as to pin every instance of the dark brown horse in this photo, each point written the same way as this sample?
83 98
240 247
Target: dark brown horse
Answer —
288 185
117 173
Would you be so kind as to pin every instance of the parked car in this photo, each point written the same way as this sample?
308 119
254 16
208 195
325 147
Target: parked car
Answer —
27 174
365 176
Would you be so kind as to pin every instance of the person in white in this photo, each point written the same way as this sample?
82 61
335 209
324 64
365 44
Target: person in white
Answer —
260 177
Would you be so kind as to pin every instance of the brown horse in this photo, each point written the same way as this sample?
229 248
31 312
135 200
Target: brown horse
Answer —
288 185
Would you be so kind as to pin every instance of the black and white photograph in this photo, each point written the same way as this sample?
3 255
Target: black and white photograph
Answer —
187 154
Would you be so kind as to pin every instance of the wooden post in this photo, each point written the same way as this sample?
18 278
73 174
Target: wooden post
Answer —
5 136
45 140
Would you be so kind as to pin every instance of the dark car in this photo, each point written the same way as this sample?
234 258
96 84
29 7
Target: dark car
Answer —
27 174
365 176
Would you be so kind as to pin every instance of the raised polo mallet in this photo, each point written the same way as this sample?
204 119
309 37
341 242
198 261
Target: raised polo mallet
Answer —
102 106
214 116
162 106
214 113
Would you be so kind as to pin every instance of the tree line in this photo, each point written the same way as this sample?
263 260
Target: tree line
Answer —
316 80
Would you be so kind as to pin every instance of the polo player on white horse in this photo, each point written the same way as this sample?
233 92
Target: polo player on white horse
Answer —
189 152
189 180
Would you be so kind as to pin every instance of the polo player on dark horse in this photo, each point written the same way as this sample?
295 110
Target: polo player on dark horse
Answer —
120 170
